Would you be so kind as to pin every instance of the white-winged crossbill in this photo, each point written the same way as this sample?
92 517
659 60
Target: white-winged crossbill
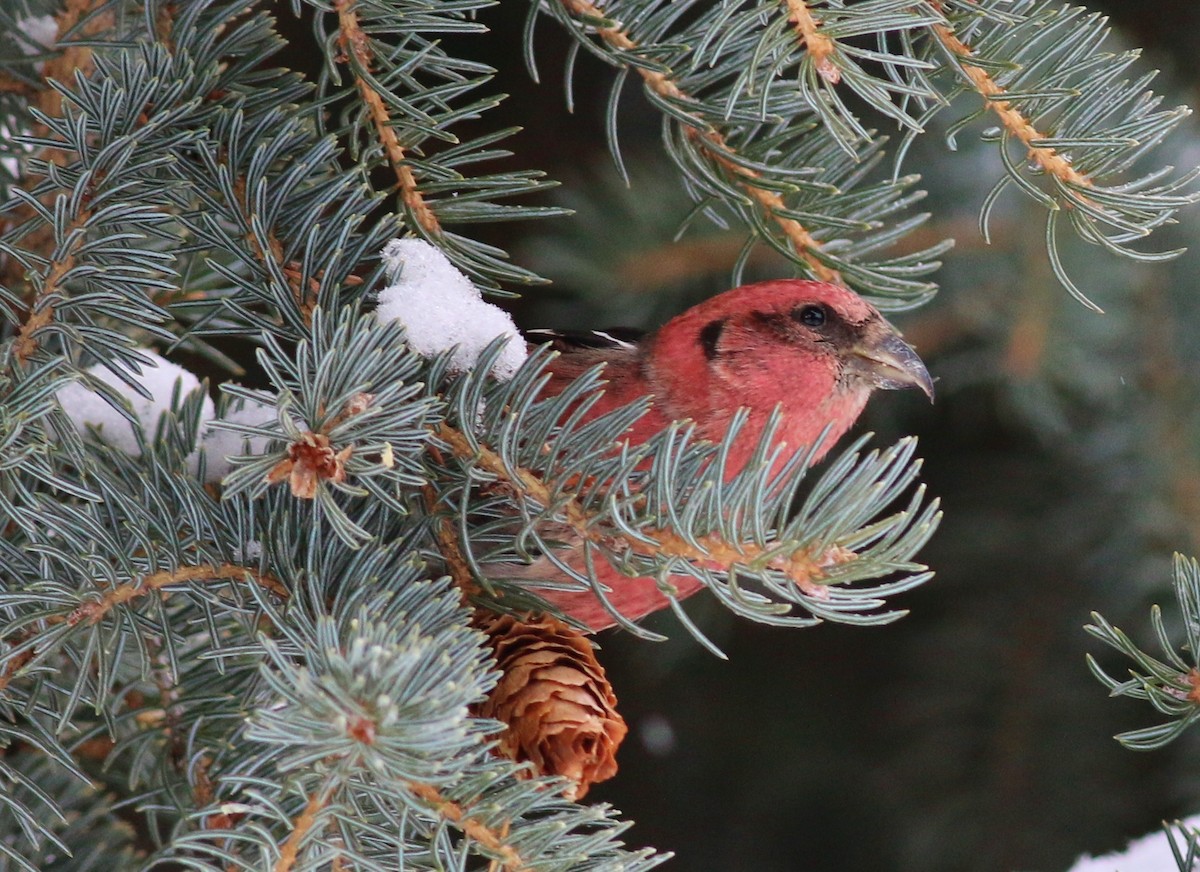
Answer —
814 350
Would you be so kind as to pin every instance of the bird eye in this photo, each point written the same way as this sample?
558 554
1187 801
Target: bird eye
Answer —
810 316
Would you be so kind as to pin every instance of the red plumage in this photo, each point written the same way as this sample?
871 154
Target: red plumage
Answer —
813 349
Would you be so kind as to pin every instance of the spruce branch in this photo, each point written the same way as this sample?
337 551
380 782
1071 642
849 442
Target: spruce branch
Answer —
95 611
1009 114
803 569
199 642
448 542
408 95
290 849
349 421
712 143
358 53
72 59
791 165
734 130
1171 684
1041 69
41 309
492 841
831 58
818 45
304 292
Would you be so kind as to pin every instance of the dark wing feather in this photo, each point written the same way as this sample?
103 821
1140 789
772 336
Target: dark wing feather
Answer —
567 341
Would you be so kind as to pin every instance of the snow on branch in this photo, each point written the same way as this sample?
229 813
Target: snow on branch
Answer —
1152 853
160 381
442 310
159 384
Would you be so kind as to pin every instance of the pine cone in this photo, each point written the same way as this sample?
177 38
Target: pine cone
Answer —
559 708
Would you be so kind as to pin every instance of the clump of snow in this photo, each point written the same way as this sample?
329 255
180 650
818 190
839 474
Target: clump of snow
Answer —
88 409
441 309
219 445
41 32
1150 853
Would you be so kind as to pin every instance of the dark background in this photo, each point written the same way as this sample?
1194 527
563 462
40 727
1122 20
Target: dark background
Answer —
968 736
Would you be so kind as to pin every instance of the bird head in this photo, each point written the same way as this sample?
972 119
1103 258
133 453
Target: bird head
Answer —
814 348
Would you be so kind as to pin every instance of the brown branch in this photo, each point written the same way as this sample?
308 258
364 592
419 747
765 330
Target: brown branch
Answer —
20 661
274 252
805 570
1010 116
803 242
41 315
819 46
497 865
448 544
291 269
93 612
355 44
72 59
304 824
478 831
717 148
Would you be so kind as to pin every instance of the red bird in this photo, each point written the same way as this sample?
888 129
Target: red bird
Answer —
813 349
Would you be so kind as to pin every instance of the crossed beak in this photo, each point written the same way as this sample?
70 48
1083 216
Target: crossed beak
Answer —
888 362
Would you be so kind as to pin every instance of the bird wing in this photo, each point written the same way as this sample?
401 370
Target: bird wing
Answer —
567 341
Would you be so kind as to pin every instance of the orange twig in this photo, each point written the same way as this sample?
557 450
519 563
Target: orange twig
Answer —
72 59
1010 116
481 833
93 612
356 44
448 544
304 824
41 316
805 570
275 252
820 47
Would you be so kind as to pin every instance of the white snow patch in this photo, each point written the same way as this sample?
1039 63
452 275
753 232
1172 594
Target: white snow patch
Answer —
1150 853
441 309
220 445
41 31
88 409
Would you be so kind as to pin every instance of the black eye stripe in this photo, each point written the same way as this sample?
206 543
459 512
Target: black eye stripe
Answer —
710 335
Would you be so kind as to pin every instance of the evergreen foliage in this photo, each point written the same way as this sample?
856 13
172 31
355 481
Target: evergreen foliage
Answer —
1170 684
217 674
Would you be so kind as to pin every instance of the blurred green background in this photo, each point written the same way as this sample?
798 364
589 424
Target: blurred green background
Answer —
970 735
